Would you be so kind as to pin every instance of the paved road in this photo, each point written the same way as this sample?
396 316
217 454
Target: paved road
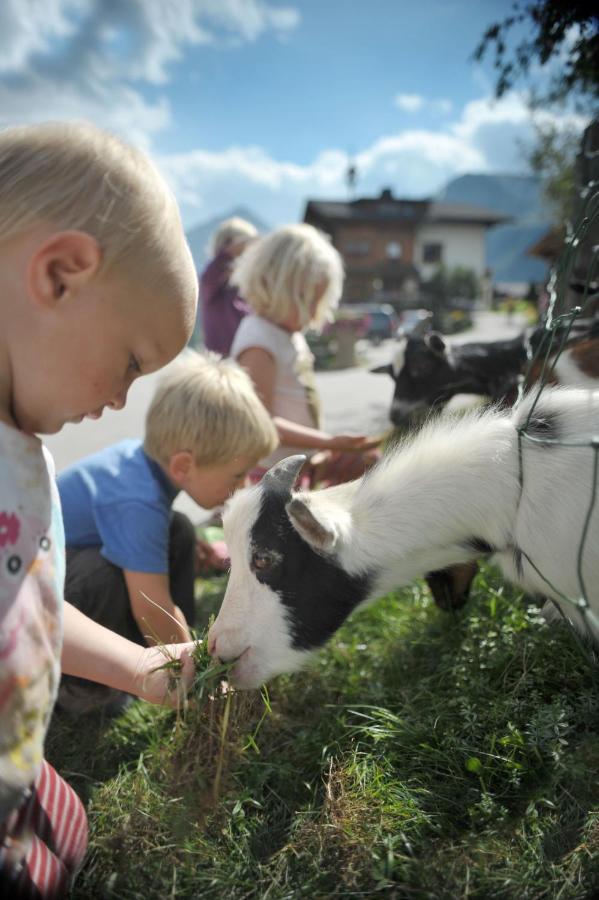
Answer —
354 401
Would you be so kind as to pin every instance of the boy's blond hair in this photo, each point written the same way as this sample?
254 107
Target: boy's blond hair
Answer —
208 405
282 273
74 176
232 231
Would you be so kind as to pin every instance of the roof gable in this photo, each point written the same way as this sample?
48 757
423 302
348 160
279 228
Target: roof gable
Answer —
387 208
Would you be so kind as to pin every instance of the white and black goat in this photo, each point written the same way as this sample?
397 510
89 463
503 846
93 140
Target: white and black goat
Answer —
302 562
427 372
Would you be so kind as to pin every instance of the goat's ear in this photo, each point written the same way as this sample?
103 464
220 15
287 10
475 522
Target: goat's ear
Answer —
320 535
435 342
383 370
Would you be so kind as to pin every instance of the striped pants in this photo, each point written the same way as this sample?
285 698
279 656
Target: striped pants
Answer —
43 841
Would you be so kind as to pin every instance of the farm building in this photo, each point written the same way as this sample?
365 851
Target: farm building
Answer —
391 245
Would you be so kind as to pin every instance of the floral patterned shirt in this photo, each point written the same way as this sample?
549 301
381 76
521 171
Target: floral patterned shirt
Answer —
31 597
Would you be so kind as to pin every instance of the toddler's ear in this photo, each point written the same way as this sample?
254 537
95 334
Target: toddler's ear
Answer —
178 467
61 264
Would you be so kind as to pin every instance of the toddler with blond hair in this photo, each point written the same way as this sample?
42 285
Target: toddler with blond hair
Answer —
97 287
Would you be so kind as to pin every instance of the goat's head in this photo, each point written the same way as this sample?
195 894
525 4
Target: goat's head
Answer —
288 591
423 374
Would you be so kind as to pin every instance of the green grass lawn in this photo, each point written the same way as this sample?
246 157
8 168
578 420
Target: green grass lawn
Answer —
421 755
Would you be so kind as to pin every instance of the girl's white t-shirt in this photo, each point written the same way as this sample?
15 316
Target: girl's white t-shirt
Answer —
294 392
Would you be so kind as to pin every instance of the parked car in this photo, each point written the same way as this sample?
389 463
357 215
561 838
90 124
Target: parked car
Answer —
381 323
374 321
414 321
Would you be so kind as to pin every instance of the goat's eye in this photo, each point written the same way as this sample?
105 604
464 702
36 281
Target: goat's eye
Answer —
261 561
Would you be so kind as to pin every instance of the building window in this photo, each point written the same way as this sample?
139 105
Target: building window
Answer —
432 253
393 250
357 248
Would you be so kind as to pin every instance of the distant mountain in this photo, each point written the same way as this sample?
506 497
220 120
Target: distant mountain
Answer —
520 197
199 236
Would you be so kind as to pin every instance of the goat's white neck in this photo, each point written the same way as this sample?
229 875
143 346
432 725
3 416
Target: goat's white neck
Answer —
416 512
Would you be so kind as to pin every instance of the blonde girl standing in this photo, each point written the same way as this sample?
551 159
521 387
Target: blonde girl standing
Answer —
292 279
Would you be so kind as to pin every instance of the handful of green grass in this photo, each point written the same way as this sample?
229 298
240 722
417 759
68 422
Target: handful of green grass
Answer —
217 724
213 719
210 676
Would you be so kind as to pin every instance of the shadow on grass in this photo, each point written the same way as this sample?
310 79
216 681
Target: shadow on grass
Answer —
90 749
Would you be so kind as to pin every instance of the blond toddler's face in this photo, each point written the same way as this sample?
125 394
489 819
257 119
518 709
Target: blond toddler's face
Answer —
89 351
211 485
293 322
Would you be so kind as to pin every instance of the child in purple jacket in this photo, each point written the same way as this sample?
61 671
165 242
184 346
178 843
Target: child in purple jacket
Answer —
221 307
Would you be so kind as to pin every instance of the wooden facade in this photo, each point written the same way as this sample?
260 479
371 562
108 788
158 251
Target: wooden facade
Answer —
378 238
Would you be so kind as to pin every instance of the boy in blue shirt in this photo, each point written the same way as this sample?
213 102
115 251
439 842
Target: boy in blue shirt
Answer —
130 557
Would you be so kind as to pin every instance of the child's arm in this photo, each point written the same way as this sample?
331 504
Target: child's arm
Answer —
155 616
94 652
261 367
313 439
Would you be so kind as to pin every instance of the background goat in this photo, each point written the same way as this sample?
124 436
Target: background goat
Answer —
302 562
428 373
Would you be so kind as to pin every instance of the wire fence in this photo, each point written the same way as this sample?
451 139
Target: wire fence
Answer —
562 321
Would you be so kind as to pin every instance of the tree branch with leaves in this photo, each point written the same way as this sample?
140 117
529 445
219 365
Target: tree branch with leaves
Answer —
569 29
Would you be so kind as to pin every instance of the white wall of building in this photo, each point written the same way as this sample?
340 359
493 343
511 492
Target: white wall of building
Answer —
463 245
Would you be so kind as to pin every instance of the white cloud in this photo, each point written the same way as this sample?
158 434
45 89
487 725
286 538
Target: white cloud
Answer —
409 102
413 162
412 103
28 29
437 148
115 107
479 113
210 183
248 18
140 37
91 59
86 58
498 128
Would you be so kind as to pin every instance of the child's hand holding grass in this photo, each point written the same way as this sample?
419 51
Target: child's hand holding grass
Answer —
165 673
161 674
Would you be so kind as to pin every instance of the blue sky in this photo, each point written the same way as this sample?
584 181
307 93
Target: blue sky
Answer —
259 102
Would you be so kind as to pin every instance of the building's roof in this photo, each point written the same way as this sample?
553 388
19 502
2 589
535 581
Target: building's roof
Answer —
387 208
366 210
463 213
